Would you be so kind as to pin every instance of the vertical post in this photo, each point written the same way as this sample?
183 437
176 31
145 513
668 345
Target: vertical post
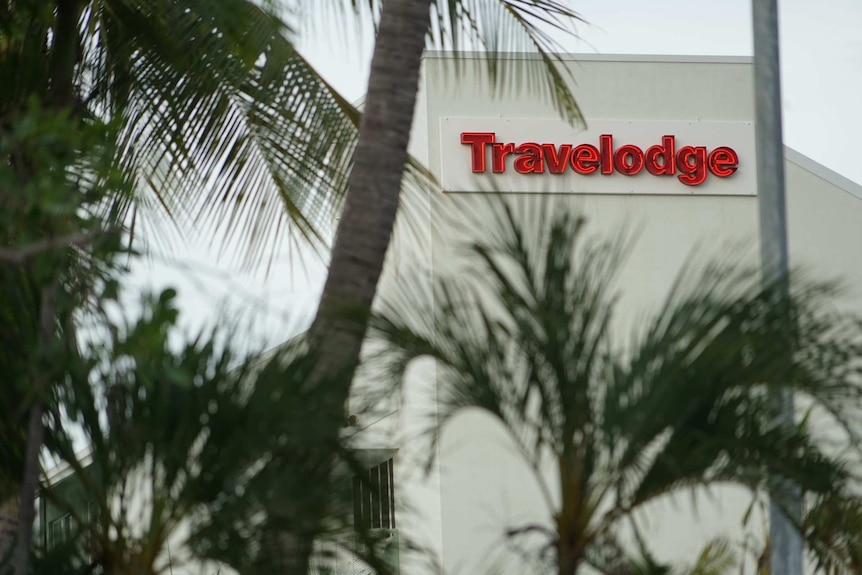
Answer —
785 539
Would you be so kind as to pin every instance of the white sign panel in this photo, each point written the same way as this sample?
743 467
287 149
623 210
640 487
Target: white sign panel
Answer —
609 157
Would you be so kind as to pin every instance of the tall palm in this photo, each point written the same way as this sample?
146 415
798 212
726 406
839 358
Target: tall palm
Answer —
375 182
682 405
366 224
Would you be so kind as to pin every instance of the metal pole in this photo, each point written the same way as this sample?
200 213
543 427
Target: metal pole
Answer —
785 539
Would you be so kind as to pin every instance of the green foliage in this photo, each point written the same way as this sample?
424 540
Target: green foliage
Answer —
196 449
201 110
832 528
214 93
716 558
220 122
684 403
190 439
55 176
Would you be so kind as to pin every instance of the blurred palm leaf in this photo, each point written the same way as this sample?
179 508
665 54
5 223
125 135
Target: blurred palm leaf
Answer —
716 558
832 527
490 29
683 403
609 558
498 27
197 450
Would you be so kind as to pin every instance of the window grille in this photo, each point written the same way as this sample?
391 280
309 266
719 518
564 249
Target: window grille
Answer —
374 498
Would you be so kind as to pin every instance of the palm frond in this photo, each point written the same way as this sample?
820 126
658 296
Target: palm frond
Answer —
693 403
716 558
832 528
493 28
196 436
489 30
686 402
213 96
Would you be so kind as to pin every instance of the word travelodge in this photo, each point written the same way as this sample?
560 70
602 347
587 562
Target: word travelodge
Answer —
691 164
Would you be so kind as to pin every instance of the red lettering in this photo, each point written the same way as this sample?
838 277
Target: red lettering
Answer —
530 161
606 142
628 160
557 160
691 164
498 156
667 152
477 142
585 159
723 161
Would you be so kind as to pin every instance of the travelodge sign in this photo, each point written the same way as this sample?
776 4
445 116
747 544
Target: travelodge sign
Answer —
609 157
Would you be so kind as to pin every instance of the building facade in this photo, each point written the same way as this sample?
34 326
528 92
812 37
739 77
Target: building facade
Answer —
667 151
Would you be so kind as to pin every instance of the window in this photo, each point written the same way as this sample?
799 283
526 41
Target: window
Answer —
373 509
374 498
59 530
66 507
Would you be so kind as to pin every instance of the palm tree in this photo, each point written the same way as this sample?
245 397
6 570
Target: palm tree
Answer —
682 405
215 120
197 454
366 224
375 181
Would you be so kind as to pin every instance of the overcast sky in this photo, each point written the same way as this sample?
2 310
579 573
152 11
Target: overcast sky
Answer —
821 52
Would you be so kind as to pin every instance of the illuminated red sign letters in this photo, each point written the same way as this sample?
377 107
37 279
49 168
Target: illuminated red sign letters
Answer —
691 164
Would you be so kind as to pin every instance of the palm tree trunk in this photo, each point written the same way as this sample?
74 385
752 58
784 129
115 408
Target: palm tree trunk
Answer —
27 512
374 186
567 561
8 526
64 54
35 433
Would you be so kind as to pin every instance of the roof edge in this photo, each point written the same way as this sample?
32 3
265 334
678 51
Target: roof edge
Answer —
823 172
61 470
584 57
